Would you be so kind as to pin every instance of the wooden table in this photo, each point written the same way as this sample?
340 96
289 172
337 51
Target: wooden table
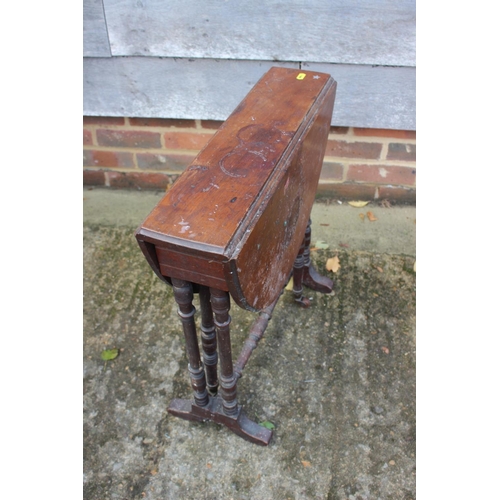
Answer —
236 224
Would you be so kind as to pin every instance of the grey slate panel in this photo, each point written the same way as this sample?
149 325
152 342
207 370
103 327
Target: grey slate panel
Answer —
168 88
372 96
95 34
378 32
367 96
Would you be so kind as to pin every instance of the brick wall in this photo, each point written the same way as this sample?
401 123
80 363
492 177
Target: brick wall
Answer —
149 153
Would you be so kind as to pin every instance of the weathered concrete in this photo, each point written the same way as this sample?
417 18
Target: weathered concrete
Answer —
337 380
337 224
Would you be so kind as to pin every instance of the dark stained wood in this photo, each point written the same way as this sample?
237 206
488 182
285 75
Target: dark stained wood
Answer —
305 274
220 305
209 340
298 273
244 203
310 277
239 423
183 294
237 223
224 408
255 335
191 267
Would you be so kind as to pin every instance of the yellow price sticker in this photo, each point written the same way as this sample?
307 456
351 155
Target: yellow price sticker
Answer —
301 76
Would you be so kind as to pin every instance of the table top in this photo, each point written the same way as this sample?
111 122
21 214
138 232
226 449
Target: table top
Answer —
208 203
235 219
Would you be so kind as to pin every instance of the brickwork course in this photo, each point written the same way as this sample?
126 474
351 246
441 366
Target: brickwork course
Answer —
151 153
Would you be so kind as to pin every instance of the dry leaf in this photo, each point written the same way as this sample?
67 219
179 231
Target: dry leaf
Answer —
333 264
358 204
362 217
370 216
290 285
321 245
385 350
379 269
306 463
343 245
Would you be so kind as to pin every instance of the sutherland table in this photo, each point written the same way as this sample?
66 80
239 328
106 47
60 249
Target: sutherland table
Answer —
236 223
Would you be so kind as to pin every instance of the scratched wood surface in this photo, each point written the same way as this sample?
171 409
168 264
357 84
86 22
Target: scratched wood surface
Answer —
208 202
239 212
378 32
273 243
376 97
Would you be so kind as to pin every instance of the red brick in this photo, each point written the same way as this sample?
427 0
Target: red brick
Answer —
332 171
128 138
164 162
402 152
405 195
343 149
186 140
382 132
339 130
93 158
162 122
346 191
139 180
93 178
211 124
382 174
103 120
87 137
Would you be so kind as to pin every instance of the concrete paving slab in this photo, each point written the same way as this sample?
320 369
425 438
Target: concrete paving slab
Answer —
336 380
337 224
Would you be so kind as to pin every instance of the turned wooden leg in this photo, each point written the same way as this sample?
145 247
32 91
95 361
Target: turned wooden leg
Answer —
221 305
208 340
183 294
223 408
310 277
298 277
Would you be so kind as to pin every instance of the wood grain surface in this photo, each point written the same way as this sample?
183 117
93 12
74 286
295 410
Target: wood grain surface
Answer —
240 210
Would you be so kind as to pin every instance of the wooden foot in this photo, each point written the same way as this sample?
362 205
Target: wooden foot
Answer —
215 336
315 281
309 277
238 423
